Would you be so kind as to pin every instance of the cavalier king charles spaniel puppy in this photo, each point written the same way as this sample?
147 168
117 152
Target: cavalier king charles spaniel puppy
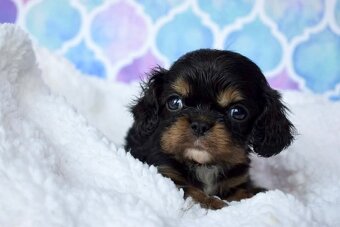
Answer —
199 121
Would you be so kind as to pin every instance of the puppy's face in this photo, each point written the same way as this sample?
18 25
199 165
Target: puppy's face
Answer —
203 119
211 107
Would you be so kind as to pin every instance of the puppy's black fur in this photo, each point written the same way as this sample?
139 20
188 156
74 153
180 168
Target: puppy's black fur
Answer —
198 121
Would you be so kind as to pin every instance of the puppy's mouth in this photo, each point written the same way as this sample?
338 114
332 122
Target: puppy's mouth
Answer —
198 153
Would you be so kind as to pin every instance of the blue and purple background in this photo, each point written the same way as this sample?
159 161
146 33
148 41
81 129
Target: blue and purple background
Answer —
295 42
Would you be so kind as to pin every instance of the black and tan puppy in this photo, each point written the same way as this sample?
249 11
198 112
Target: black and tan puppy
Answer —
198 121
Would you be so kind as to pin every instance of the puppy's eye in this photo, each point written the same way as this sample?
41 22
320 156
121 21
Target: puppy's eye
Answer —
174 103
238 113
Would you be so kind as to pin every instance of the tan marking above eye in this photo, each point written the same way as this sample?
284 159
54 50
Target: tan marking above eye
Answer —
181 86
228 96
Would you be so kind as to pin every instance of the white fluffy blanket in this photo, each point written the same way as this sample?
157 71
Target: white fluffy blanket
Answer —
61 165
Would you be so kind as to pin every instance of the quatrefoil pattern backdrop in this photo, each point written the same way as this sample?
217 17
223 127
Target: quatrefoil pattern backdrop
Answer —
295 42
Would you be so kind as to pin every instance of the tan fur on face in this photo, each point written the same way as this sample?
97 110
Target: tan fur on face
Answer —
228 96
219 141
215 146
181 86
175 136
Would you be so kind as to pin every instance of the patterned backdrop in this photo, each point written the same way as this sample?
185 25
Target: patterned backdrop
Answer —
295 42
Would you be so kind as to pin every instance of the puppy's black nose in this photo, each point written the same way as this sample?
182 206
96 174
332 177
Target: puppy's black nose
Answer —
199 128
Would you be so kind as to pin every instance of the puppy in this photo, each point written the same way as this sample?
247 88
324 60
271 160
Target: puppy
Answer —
198 122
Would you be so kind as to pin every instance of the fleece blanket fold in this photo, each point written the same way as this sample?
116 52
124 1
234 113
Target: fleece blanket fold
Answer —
61 161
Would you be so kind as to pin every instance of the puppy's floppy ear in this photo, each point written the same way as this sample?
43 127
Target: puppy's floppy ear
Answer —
145 111
272 131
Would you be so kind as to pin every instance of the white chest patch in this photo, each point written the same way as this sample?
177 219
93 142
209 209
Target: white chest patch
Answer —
208 176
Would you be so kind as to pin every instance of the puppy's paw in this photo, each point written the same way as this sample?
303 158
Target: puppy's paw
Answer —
244 193
204 200
256 190
213 203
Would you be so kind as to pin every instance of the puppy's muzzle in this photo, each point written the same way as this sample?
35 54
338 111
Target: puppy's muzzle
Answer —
201 120
200 128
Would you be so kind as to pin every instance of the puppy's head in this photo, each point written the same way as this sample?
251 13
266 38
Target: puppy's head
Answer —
212 106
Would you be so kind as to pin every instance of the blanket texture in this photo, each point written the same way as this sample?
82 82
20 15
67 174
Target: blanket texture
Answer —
61 163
